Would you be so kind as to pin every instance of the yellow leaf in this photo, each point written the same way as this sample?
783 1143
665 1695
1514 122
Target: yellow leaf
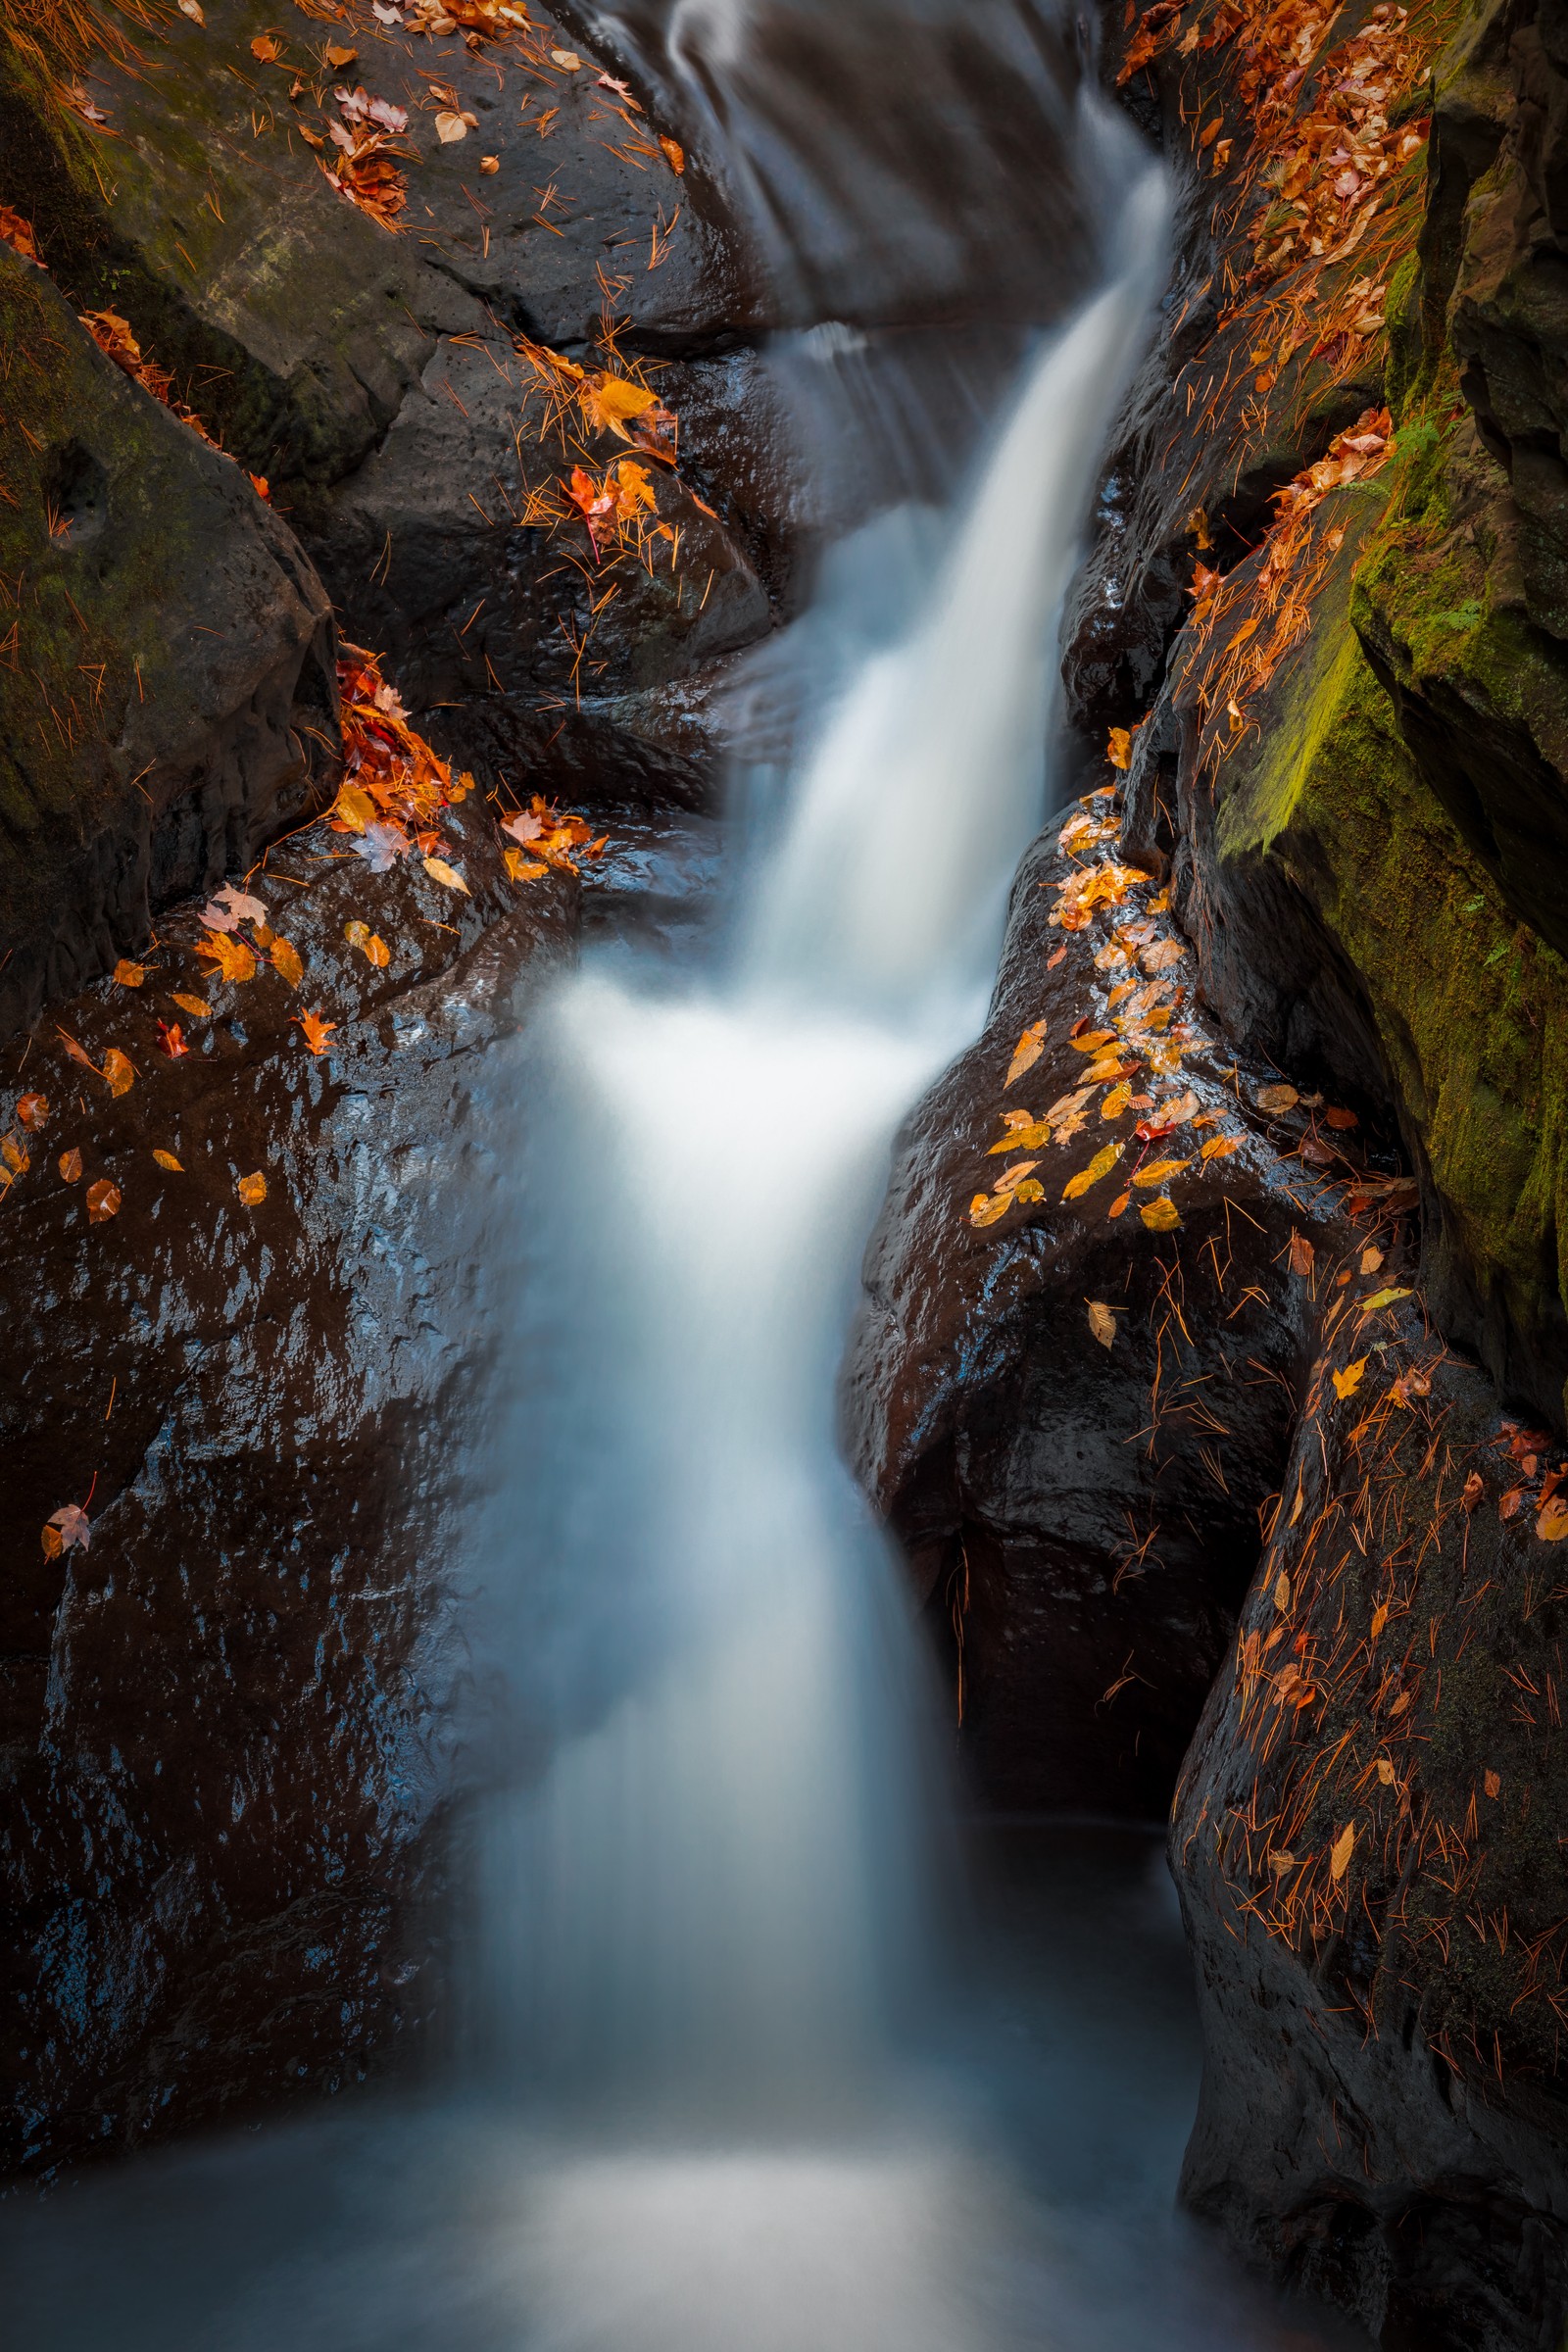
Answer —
439 871
987 1207
522 868
1031 1189
1101 1166
354 809
119 1071
1091 1040
450 128
1552 1524
1103 1323
1109 1070
166 1159
1120 748
1032 1136
232 959
1340 1851
287 960
1116 1101
370 944
1346 1382
1220 1147
1162 1215
1282 1590
1369 1307
1027 1052
129 975
251 1189
606 401
1158 1170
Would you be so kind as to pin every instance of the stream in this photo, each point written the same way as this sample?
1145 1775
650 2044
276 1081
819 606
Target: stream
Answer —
768 2040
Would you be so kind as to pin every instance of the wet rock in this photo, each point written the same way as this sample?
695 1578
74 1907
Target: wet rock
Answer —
168 678
227 1722
1366 1844
1080 1518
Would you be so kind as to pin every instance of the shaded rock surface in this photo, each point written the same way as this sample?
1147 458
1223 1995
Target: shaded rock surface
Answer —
228 1719
167 680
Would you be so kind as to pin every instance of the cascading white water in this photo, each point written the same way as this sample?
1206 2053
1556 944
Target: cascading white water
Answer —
719 1865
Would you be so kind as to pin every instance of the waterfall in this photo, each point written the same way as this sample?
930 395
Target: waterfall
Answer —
716 1884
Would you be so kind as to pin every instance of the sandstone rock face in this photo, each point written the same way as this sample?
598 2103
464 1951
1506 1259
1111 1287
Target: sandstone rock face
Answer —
228 1719
168 680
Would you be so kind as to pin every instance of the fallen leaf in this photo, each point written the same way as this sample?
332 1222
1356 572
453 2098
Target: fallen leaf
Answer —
1158 1170
1343 1120
231 905
1302 1256
1552 1524
1093 1039
16 1159
317 1031
1380 1618
1492 1782
1026 1135
986 1208
1163 955
1277 1098
266 48
193 10
1120 748
171 1040
567 59
286 961
1340 1851
70 1166
1278 1861
489 164
103 1201
1117 1101
33 1110
450 128
1103 1323
370 944
338 58
1282 1590
1026 1053
128 975
1348 1381
119 1071
70 1524
1371 1260
1510 1505
1101 1166
1473 1490
1118 1204
382 846
1162 1215
674 154
192 1005
439 871
1370 1306
166 1159
1220 1147
233 959
1385 1771
77 1051
251 1189
521 868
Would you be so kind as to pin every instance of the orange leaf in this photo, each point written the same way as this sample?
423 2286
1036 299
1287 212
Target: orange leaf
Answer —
1302 1256
119 1071
103 1201
166 1159
16 1159
129 975
194 1005
1119 748
317 1031
1091 1040
1220 1147
32 1111
70 1166
286 961
171 1040
521 868
266 48
251 1189
675 154
370 944
1116 1101
232 958
1027 1052
78 1053
1340 1851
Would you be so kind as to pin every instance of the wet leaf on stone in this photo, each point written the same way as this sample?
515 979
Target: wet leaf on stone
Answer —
450 128
1103 1323
370 942
171 1040
1343 1120
1162 1215
1345 1383
198 1005
1163 955
103 1201
266 48
70 1165
1277 1098
119 1071
1384 1772
1026 1053
1119 748
439 871
1552 1524
1302 1256
521 868
166 1159
1379 1298
128 975
316 1030
1118 1204
1093 1039
1159 1171
1024 1135
77 1051
1220 1147
674 155
1492 1782
286 961
231 958
1282 1590
33 1110
251 1189
1101 1166
1340 1851
1380 1618
16 1158
69 1530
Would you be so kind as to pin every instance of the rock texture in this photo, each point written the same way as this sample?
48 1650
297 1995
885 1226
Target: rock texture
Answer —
226 1718
168 676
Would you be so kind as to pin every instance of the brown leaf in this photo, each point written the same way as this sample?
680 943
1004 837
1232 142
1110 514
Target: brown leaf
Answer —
1282 1590
70 1166
1302 1256
450 128
1103 1323
1473 1490
32 1111
1384 1772
1277 1098
1343 1121
1371 1260
103 1201
251 1189
129 975
79 1052
1492 1782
